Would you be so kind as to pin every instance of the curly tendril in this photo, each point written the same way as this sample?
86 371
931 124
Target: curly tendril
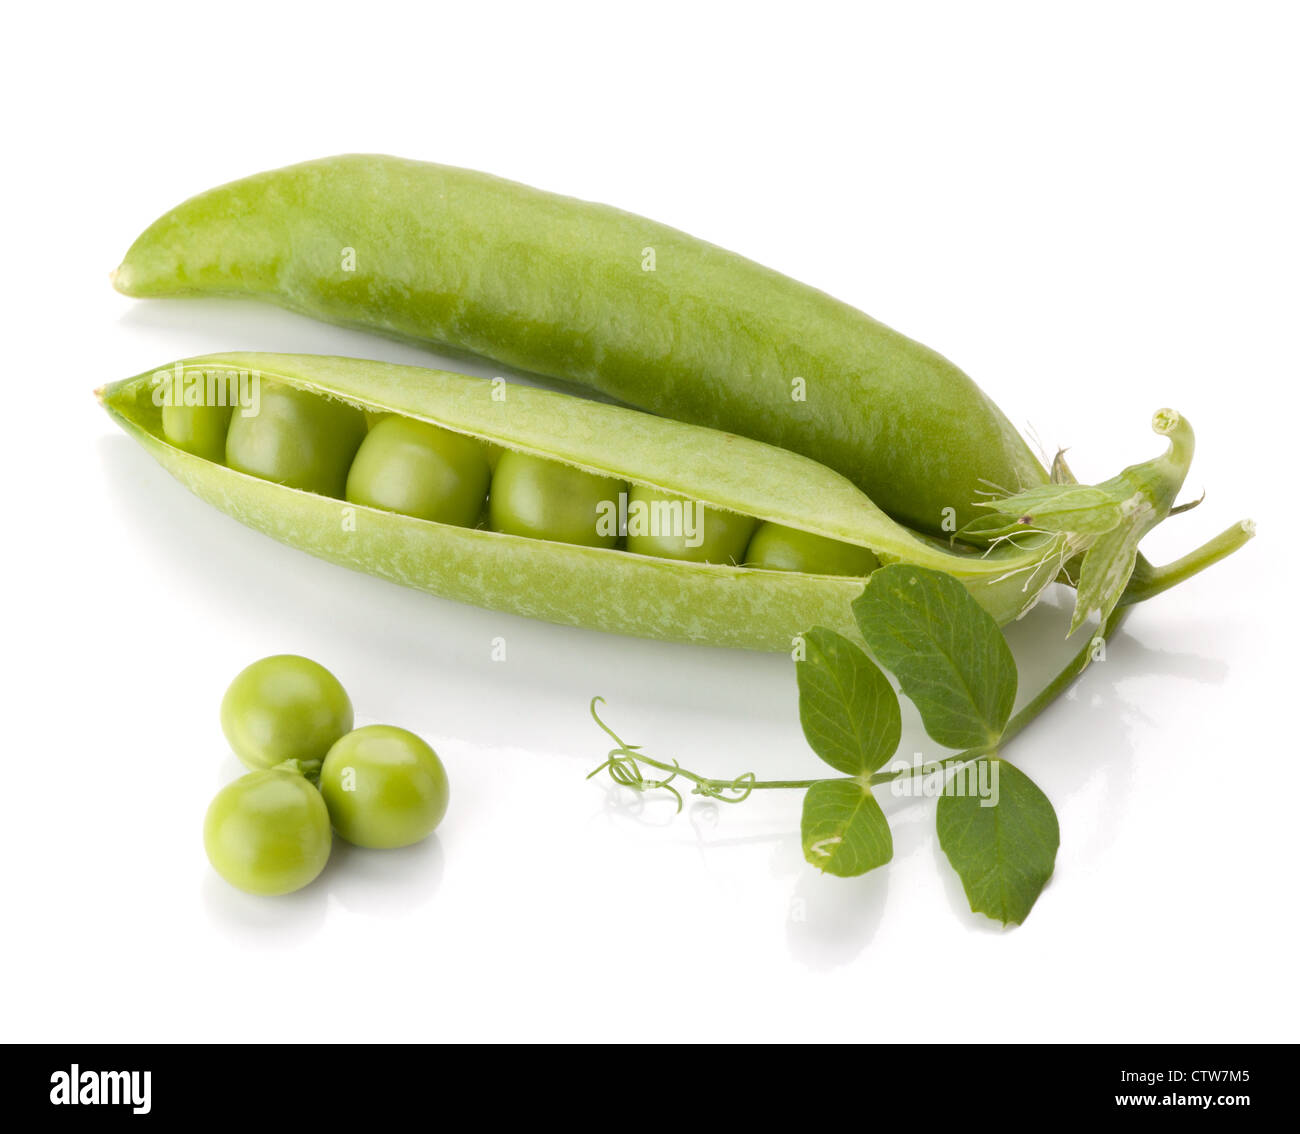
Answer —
624 767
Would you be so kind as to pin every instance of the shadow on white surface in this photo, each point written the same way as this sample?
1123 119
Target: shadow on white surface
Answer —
387 883
285 922
832 920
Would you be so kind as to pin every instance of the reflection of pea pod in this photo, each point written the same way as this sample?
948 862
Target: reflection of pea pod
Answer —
593 295
605 589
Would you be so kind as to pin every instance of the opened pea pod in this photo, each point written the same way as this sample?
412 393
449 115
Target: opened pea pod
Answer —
555 532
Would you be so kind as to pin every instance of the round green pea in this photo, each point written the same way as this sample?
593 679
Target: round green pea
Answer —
544 499
778 548
296 438
672 527
268 832
418 469
384 787
284 707
200 430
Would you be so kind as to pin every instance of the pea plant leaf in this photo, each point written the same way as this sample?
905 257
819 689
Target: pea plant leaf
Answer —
946 651
1000 833
843 830
847 707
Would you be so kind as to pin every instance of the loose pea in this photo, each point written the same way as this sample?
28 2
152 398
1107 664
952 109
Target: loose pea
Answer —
672 527
268 832
418 469
200 430
297 438
779 548
543 499
384 787
284 707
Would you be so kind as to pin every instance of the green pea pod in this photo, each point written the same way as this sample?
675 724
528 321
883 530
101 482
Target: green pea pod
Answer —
593 295
607 589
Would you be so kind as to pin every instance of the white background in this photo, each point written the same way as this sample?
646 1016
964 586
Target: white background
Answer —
1092 209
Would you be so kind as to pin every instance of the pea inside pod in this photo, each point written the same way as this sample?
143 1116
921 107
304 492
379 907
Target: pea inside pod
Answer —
545 499
415 468
663 524
297 438
555 572
779 548
199 429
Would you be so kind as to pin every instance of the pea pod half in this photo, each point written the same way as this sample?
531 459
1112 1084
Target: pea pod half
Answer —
600 587
597 296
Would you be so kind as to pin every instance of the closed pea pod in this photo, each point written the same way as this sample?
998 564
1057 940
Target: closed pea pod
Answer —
594 295
599 587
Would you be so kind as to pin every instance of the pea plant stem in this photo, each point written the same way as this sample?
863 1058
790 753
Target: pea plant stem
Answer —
1148 581
1045 696
623 760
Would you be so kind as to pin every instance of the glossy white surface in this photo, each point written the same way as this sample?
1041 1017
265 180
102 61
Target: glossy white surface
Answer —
1094 216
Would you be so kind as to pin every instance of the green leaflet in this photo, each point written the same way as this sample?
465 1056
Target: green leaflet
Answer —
850 717
843 830
847 707
1004 854
948 655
